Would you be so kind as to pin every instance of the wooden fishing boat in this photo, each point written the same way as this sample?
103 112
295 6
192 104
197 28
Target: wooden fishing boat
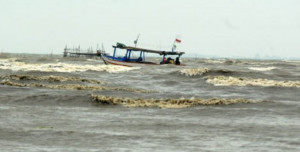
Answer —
168 57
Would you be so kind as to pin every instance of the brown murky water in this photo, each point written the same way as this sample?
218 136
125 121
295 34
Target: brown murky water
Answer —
76 104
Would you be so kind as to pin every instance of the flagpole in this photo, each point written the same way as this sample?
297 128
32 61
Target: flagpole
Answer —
174 46
173 49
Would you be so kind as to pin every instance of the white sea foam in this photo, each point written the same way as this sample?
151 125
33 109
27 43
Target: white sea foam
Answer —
92 60
12 64
193 72
236 81
262 68
167 103
292 61
214 61
221 61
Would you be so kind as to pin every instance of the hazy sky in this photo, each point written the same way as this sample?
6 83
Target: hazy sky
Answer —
227 28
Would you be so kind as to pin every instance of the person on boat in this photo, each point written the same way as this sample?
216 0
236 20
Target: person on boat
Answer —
177 62
164 61
170 60
140 59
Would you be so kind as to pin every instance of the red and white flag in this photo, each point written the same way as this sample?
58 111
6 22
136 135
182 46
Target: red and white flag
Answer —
177 40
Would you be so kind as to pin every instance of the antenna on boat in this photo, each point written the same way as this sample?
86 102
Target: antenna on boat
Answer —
135 42
103 48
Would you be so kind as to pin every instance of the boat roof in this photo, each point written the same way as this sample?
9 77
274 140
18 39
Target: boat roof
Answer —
149 51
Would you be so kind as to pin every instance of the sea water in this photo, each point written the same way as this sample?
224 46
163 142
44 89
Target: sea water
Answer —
51 103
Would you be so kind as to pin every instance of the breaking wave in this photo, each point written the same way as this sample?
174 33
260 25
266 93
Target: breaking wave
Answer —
291 61
262 68
219 61
202 71
233 81
18 81
166 103
13 64
73 87
193 72
50 78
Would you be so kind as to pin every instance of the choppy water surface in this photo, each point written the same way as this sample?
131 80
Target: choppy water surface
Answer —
76 104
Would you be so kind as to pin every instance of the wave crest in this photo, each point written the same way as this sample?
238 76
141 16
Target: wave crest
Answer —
73 87
233 81
262 68
202 71
13 64
166 103
18 81
50 78
193 72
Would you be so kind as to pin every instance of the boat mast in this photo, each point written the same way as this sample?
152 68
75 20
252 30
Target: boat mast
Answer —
135 41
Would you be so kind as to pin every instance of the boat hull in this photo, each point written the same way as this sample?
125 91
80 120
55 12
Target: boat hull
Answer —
125 63
110 61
